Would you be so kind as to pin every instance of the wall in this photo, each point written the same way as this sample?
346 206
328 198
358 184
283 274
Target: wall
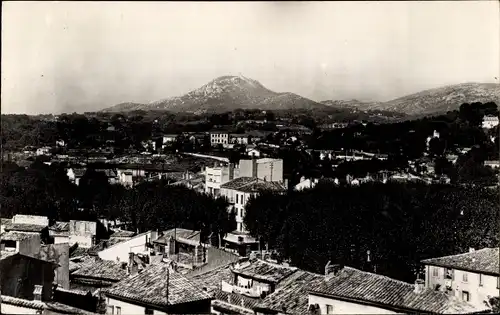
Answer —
120 251
341 307
59 253
127 308
14 309
30 219
61 239
477 293
270 171
30 246
82 232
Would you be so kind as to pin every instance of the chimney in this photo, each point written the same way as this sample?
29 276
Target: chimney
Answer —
332 269
37 293
471 249
419 286
254 167
132 266
231 171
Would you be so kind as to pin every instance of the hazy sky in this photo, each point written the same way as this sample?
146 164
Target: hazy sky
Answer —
83 56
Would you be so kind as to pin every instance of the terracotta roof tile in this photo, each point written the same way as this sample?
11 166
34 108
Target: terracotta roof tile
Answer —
150 286
292 297
123 233
101 269
212 280
251 184
359 285
60 226
24 227
180 234
483 260
16 236
263 270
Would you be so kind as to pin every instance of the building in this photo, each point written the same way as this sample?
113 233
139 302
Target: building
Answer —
254 152
139 244
13 305
266 169
26 243
158 289
58 254
4 222
335 125
492 164
471 277
59 232
217 175
239 190
83 233
239 138
168 139
94 274
306 183
346 290
75 174
43 151
219 137
123 235
490 121
29 224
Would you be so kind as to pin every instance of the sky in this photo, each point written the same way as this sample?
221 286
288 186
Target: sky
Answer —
84 56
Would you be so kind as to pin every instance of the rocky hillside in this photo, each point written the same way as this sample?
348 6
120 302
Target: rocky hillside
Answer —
441 100
226 93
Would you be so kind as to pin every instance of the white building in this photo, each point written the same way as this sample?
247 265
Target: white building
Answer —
306 183
219 137
217 175
138 244
82 232
347 290
43 151
267 169
490 121
472 277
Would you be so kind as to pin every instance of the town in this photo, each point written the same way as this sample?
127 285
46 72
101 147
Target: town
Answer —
253 158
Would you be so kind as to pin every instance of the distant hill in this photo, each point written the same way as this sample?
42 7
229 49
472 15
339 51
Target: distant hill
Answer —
223 94
443 99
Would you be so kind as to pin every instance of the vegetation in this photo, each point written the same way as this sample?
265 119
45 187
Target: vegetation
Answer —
399 224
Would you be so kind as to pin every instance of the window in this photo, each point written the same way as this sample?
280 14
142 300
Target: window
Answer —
435 271
449 274
237 198
148 311
465 296
498 282
465 277
118 310
329 309
109 310
480 280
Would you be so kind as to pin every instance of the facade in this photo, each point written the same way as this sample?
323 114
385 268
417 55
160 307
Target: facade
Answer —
83 233
26 243
347 290
59 232
59 254
239 138
490 122
138 244
158 289
471 277
218 175
266 169
219 137
306 183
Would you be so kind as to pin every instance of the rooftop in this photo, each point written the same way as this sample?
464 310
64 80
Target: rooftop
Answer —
19 227
51 307
485 260
263 270
291 298
16 236
60 227
150 286
357 285
123 233
101 269
252 184
180 234
212 280
5 221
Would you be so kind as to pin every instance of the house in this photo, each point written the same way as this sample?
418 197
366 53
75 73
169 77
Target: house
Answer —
158 289
94 273
168 139
26 243
335 125
82 232
306 183
43 151
29 224
290 298
490 121
266 169
216 176
239 190
60 143
254 152
21 274
58 254
471 277
346 290
126 178
239 138
139 244
219 137
3 223
192 181
75 174
13 305
492 164
59 232
123 235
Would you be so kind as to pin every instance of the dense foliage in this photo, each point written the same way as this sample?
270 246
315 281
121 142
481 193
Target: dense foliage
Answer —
46 190
400 224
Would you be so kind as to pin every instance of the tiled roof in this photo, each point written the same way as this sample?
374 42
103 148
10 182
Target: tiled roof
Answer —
52 307
180 234
74 291
212 280
252 184
78 251
101 269
228 308
103 244
483 260
5 221
263 270
24 227
238 182
60 226
150 286
357 285
292 297
123 233
16 236
236 299
6 254
37 305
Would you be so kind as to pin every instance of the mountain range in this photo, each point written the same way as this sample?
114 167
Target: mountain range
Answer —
228 93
